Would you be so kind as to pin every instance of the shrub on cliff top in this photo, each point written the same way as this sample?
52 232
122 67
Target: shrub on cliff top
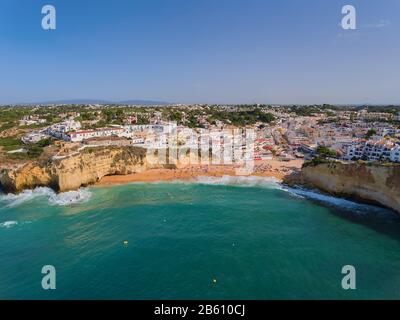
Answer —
315 161
10 143
323 151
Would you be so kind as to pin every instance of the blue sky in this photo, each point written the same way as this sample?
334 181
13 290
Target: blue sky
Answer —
206 51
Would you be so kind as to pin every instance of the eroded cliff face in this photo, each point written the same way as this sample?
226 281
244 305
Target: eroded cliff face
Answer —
366 182
29 176
81 169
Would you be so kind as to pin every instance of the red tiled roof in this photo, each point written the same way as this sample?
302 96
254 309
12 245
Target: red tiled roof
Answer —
90 131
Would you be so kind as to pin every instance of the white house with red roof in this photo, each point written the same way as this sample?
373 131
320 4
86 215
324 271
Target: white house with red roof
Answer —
77 136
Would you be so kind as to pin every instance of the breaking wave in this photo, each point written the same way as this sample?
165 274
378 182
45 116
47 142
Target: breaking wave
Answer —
297 192
8 224
12 200
61 199
243 181
12 223
70 197
360 208
83 195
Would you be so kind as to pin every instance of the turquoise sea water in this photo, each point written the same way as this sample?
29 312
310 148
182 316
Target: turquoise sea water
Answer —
258 240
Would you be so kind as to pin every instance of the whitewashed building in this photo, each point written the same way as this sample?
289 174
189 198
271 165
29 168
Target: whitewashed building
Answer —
395 154
60 130
78 136
372 150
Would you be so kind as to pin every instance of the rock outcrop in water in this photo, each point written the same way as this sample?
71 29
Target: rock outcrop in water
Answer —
80 169
373 183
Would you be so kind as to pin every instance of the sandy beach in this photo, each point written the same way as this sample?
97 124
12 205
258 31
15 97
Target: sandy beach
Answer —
267 168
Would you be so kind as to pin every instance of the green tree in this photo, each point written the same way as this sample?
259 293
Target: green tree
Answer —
370 133
323 151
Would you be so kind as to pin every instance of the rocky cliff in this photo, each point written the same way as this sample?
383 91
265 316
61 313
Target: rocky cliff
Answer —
374 183
80 169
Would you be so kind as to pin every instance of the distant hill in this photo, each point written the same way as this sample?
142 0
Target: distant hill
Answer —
144 102
97 101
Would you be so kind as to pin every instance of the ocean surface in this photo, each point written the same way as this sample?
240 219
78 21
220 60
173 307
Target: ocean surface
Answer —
218 238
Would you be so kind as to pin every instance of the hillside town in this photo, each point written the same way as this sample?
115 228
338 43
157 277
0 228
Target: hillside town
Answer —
280 132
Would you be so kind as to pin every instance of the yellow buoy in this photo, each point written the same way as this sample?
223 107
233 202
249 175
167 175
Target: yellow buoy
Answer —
214 281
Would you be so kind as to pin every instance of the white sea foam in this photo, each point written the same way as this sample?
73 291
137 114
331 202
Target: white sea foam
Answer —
334 201
8 224
244 181
12 200
62 199
83 195
71 197
272 183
